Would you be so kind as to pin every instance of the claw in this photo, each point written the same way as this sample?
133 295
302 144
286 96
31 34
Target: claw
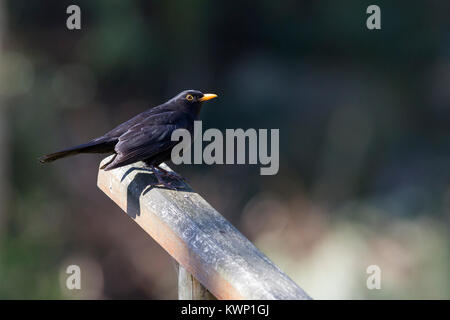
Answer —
161 182
166 186
171 174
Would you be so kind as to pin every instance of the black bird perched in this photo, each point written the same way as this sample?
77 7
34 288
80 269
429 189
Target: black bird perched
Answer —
145 137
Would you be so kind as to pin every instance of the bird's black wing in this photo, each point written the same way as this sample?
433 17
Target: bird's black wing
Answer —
148 138
154 115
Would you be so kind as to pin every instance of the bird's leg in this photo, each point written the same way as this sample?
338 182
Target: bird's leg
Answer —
161 181
171 174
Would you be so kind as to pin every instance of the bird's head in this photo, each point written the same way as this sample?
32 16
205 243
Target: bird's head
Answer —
193 98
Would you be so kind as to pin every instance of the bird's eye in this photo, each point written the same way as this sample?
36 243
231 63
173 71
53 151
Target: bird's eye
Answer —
189 97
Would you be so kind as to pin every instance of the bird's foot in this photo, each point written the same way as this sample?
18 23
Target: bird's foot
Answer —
171 174
161 182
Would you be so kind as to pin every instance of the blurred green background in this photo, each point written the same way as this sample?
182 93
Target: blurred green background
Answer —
364 119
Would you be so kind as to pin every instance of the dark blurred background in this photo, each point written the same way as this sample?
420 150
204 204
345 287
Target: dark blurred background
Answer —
364 119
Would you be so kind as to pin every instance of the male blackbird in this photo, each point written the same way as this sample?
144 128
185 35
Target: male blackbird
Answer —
145 137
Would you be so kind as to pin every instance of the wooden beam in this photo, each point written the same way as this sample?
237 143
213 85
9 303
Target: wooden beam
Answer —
197 236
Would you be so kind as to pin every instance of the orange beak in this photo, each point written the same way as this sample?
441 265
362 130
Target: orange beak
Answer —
207 96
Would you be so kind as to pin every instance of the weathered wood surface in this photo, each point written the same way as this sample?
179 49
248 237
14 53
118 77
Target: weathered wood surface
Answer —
197 236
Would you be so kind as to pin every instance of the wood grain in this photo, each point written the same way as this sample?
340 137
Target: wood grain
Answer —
191 289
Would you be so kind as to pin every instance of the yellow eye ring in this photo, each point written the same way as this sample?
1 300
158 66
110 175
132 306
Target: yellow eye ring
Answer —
189 97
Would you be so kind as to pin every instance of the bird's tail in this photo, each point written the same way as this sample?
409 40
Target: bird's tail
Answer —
95 146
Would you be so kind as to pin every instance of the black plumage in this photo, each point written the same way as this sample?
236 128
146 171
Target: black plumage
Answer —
145 137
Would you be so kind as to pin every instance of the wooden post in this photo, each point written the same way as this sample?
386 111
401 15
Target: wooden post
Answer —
189 288
198 237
